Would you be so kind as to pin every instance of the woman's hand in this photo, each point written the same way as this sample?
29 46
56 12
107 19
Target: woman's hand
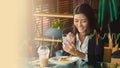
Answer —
71 37
68 44
69 48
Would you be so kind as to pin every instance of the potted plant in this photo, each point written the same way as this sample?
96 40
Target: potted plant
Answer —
55 31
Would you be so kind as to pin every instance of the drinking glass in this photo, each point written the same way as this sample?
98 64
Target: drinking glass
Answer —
43 52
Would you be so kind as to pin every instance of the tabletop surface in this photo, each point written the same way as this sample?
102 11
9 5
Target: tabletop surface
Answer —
77 64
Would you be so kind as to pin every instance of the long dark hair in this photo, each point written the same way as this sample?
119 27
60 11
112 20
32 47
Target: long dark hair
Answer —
87 10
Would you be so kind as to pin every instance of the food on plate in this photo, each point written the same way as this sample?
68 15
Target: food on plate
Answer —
63 60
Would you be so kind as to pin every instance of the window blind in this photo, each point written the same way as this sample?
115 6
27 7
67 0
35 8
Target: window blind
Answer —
50 7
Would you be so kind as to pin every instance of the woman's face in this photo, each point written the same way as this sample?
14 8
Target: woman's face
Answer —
81 22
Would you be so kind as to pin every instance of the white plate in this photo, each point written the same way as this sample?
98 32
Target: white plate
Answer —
54 60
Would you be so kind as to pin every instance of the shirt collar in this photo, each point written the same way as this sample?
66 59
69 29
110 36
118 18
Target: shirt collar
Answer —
77 38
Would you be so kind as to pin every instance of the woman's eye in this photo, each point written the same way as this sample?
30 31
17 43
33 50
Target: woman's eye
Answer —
84 21
80 21
76 21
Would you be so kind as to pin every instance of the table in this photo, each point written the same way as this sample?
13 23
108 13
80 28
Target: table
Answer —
77 64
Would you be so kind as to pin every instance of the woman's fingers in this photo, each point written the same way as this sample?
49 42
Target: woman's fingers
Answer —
65 48
73 46
71 37
69 50
68 44
68 47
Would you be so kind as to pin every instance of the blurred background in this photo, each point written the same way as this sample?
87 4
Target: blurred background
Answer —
25 23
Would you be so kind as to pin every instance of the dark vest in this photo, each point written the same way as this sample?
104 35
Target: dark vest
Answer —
95 51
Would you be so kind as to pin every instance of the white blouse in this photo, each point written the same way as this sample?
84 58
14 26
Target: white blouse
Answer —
84 47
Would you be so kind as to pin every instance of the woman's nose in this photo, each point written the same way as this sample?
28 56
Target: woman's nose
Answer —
79 24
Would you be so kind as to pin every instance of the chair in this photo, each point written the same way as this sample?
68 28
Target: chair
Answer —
115 55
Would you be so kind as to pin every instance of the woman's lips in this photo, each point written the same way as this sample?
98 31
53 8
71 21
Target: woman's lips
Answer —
80 28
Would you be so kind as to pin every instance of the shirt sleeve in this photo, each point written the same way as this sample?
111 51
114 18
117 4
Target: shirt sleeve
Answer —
86 58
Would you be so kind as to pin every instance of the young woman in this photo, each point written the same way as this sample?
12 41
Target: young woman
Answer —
86 45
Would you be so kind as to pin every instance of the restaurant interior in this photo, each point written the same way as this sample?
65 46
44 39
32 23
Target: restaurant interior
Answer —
50 17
